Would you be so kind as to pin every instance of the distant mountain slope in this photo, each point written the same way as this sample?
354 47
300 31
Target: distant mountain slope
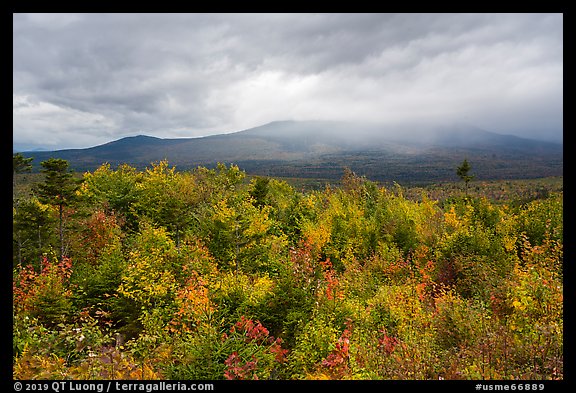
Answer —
321 149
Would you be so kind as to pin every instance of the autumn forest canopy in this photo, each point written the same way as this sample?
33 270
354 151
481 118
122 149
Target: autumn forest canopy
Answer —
122 273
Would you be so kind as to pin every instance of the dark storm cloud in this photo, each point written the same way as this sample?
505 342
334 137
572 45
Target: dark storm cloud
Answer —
82 79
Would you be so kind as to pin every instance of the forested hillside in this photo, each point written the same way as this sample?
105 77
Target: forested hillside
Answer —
165 274
414 154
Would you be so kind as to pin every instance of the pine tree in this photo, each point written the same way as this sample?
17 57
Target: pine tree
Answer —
59 189
31 234
259 191
462 171
20 165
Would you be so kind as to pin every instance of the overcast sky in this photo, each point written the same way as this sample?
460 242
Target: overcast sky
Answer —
80 80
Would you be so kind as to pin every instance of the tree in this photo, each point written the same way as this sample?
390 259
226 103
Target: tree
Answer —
19 165
241 235
351 182
259 190
168 198
116 191
462 172
31 235
59 189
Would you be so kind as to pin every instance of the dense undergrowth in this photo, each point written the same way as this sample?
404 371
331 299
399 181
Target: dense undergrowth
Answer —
199 275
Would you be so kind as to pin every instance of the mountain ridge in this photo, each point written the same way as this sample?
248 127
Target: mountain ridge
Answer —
322 148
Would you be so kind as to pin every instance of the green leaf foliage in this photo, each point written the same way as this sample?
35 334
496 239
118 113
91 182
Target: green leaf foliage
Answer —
209 274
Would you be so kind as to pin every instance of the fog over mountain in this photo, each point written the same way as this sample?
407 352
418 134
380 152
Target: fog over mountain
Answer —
322 149
81 80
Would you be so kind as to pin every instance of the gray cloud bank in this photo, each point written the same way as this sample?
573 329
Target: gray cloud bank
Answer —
85 79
